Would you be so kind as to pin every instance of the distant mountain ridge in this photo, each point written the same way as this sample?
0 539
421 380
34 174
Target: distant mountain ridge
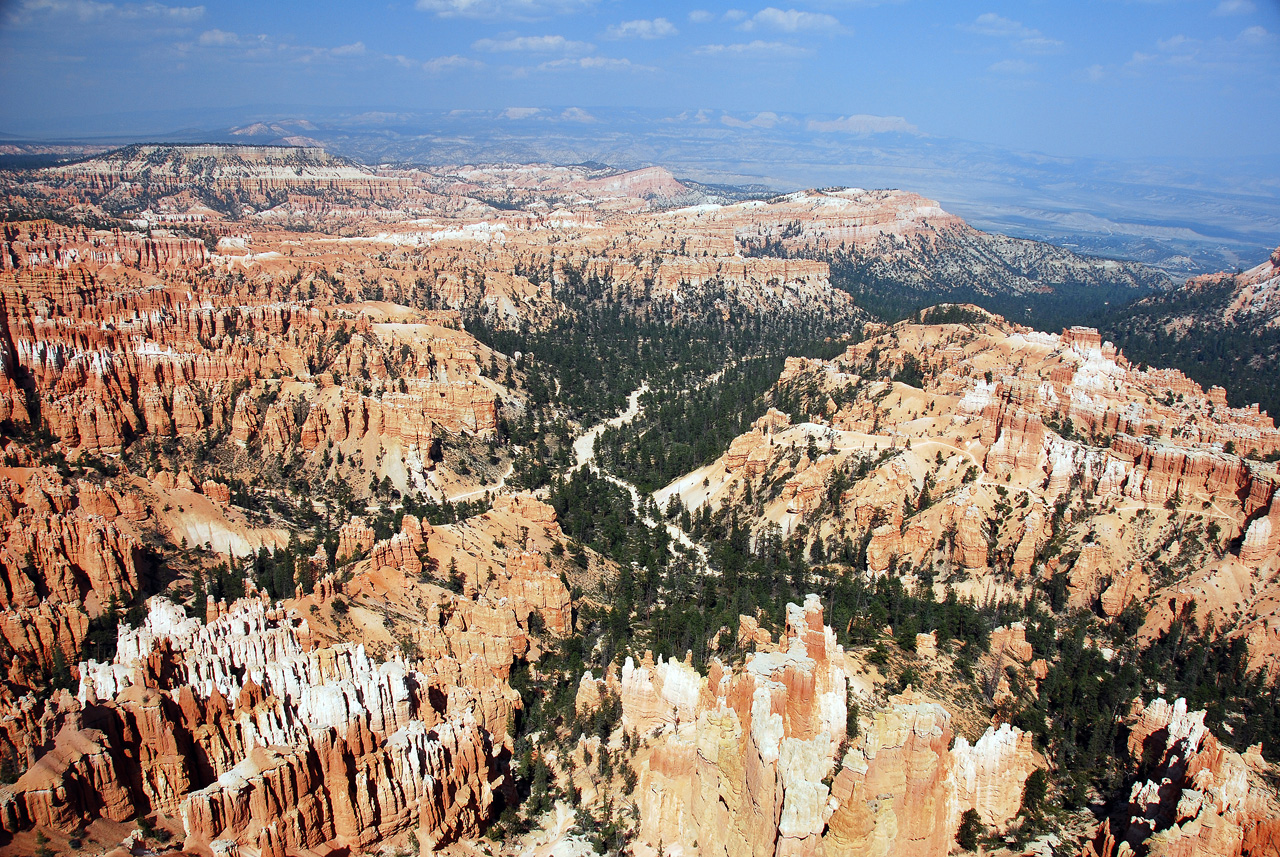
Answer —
1176 216
894 251
214 161
1185 216
1219 329
898 252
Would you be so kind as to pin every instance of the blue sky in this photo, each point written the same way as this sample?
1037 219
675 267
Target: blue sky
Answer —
1097 77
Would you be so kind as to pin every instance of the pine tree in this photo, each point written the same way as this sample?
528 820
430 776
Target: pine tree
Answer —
199 595
60 675
971 827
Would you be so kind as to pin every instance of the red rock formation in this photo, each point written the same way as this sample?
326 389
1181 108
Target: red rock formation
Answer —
1262 538
1203 799
751 636
402 551
902 788
525 506
971 549
533 586
772 421
322 746
750 777
44 244
354 538
749 453
246 420
1011 642
884 547
79 774
806 490
67 553
1126 587
589 696
1028 544
1161 471
216 491
1017 440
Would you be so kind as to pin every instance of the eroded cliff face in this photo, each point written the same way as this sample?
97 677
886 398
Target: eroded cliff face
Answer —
171 356
1193 797
903 787
256 737
756 760
261 730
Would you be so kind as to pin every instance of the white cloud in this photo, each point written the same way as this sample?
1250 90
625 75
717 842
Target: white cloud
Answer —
757 48
658 28
863 123
734 15
27 11
594 64
533 44
701 16
1255 35
1194 58
1173 43
790 20
1012 67
453 62
218 38
243 46
991 24
520 112
1024 38
1095 73
85 10
525 10
157 10
1040 45
260 48
1234 7
577 114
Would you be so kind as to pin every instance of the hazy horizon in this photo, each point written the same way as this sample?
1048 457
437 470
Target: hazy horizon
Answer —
1098 79
1141 130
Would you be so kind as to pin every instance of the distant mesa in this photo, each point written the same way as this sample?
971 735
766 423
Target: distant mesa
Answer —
213 160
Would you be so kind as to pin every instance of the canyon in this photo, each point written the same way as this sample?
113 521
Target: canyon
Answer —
327 526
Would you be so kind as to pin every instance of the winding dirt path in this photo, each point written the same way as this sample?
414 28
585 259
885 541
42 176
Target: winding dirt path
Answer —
495 487
584 449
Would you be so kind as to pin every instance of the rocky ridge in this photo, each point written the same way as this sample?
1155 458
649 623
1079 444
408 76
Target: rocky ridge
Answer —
283 399
1003 429
1221 328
